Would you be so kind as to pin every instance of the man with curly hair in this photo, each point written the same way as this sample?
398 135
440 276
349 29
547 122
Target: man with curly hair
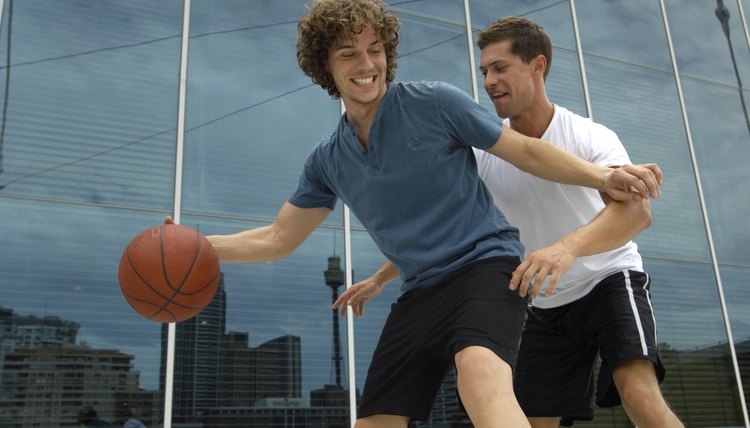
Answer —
401 159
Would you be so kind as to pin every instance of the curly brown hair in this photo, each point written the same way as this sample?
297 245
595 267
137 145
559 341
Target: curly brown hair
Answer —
329 21
527 38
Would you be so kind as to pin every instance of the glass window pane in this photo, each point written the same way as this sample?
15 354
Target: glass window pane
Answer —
713 64
693 343
427 40
553 15
274 338
718 112
68 338
634 95
252 115
722 146
89 100
633 92
734 279
648 132
708 54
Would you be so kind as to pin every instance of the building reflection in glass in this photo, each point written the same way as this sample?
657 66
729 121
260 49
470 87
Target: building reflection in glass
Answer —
220 380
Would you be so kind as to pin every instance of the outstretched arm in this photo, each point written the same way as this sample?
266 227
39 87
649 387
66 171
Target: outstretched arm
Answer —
614 226
275 241
358 294
547 161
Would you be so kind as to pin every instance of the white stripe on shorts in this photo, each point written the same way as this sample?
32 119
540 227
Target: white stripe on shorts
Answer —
653 316
635 312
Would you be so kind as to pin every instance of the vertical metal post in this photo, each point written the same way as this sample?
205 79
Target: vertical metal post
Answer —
9 25
584 79
472 59
350 320
742 19
177 209
351 373
2 10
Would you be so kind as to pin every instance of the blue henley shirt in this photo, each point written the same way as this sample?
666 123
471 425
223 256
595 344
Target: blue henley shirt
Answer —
416 189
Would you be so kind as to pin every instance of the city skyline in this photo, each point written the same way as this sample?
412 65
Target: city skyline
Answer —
207 354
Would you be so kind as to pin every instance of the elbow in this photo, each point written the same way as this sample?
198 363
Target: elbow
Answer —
283 254
642 213
648 220
636 215
280 251
279 245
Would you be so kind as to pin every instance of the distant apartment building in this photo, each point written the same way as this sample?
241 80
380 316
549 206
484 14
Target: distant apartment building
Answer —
46 378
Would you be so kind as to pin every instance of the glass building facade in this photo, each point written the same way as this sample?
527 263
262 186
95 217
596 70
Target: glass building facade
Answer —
118 113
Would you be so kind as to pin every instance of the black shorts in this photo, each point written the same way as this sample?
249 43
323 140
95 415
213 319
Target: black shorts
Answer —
428 326
554 374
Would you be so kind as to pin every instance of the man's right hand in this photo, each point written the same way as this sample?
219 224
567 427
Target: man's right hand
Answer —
633 182
357 295
530 276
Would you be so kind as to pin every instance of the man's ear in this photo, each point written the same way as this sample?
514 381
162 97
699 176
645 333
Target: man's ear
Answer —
540 63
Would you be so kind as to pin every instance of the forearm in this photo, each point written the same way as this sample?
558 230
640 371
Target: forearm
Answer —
549 162
387 273
613 227
250 246
277 240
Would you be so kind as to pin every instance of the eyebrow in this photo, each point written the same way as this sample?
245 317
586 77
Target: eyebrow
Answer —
347 44
495 62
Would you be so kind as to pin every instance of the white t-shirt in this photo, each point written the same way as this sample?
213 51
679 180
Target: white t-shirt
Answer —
545 211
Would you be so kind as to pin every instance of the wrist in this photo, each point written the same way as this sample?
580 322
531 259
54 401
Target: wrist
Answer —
381 279
380 282
570 245
604 176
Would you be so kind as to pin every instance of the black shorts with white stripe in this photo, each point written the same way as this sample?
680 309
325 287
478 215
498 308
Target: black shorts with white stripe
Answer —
559 348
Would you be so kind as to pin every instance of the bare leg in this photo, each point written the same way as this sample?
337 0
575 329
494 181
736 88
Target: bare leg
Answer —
641 397
545 422
383 421
485 384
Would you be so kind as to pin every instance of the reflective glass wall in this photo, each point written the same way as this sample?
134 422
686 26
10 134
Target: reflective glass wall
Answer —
90 150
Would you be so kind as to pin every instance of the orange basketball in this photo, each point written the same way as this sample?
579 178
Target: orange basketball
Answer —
169 273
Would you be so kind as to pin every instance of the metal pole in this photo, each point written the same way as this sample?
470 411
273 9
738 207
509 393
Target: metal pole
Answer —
472 60
584 80
177 209
352 375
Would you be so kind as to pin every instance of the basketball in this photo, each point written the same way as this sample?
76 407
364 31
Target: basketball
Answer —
169 273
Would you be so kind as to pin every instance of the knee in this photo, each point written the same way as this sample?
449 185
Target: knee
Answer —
477 364
474 360
637 384
382 421
637 395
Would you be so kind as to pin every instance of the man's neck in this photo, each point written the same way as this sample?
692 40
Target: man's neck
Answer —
535 120
361 116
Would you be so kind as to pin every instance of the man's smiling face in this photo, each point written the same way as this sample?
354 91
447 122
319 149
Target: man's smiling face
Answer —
358 67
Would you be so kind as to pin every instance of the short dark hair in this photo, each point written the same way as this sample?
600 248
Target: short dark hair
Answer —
527 38
329 21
